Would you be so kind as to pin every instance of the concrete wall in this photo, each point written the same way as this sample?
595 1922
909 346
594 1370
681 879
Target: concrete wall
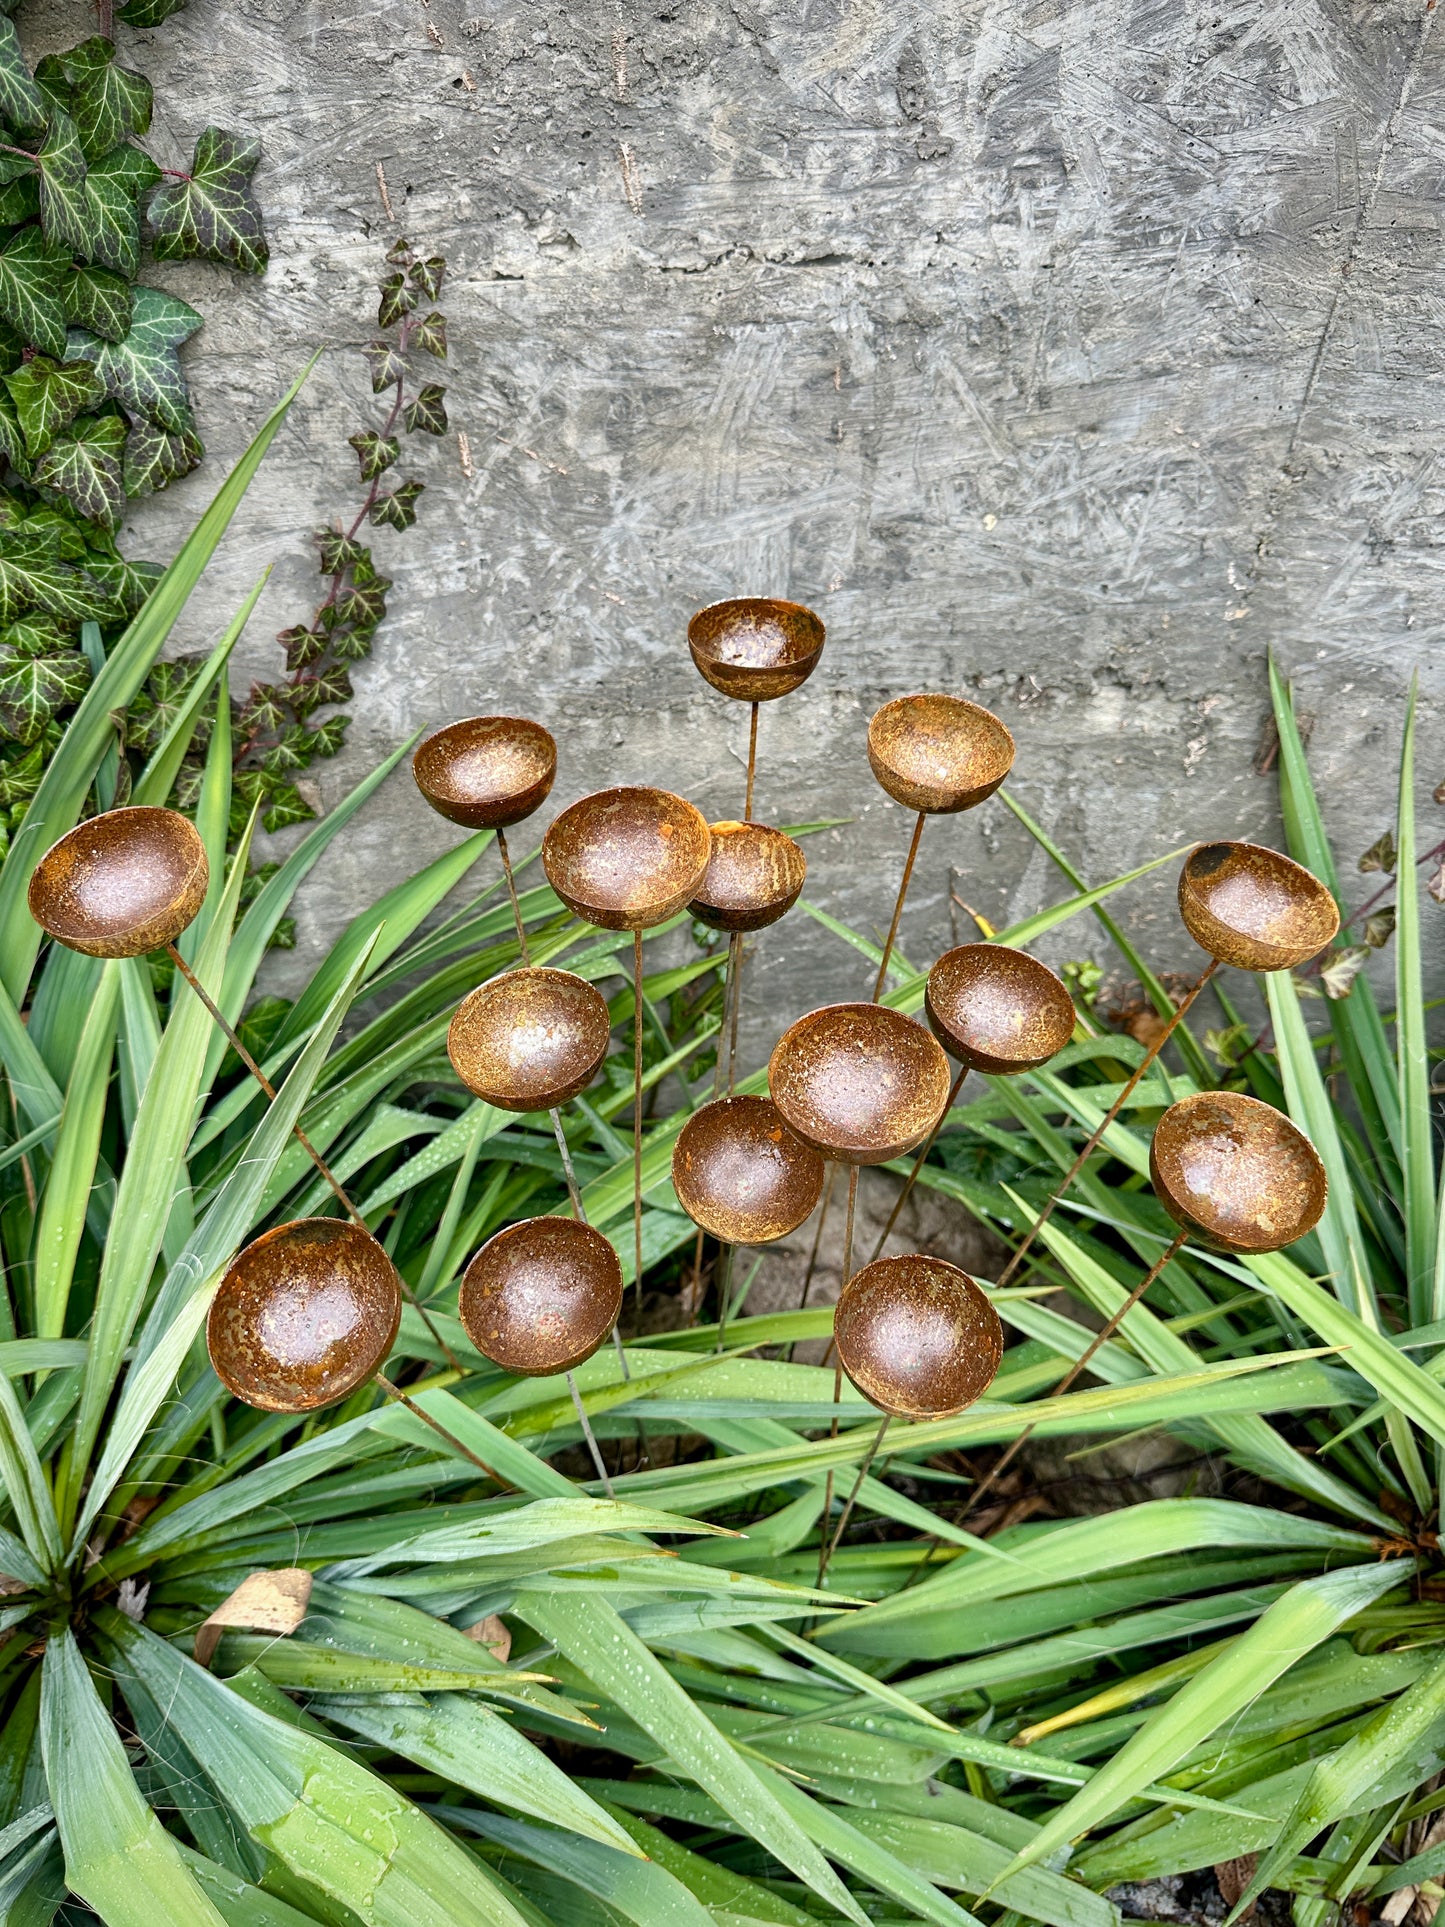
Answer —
1065 353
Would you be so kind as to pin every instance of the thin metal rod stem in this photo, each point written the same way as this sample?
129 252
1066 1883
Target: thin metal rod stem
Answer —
307 1146
395 1391
724 1290
574 1190
823 1545
817 1246
868 1459
589 1435
918 1164
735 980
505 855
637 1110
898 906
752 765
1108 1118
1081 1364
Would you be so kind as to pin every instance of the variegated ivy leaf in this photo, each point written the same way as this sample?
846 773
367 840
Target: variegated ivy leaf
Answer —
98 301
1337 979
431 334
128 584
32 289
213 213
397 299
287 806
34 580
21 103
32 688
339 551
36 635
84 465
376 453
12 438
155 457
111 103
427 276
362 603
143 372
48 395
397 510
388 366
303 646
427 413
114 187
147 13
66 214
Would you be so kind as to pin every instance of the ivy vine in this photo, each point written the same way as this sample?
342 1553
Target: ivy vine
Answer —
94 408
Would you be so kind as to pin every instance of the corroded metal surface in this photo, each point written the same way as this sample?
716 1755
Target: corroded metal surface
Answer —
1253 908
938 754
754 647
917 1336
742 1174
486 771
859 1082
121 884
754 876
1236 1173
307 1313
997 1010
529 1040
628 858
541 1296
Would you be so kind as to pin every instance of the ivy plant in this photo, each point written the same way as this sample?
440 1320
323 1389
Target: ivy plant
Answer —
94 409
275 730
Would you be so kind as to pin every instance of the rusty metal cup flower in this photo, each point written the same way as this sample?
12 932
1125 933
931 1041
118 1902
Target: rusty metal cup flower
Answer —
997 1010
306 1313
541 1296
859 1082
741 1174
530 1040
1235 1173
754 876
917 1337
486 772
121 884
629 858
938 754
1253 908
756 648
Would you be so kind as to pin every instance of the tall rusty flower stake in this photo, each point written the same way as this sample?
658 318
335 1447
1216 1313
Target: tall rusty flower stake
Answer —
539 1298
1233 1173
919 1340
1249 907
862 1084
129 881
305 1315
628 859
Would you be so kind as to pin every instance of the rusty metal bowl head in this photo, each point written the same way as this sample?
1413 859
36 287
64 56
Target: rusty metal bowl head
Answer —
754 876
530 1040
938 754
917 1337
754 647
741 1174
1236 1173
122 883
627 858
1254 908
997 1010
487 772
859 1082
307 1313
541 1296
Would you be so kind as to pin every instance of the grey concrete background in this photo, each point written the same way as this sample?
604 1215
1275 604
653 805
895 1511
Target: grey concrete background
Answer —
1068 354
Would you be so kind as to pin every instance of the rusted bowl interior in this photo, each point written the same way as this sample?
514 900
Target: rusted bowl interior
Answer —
1236 1173
755 648
741 1174
859 1082
997 1010
541 1296
627 858
122 883
487 771
754 876
1254 908
938 754
529 1040
307 1313
917 1336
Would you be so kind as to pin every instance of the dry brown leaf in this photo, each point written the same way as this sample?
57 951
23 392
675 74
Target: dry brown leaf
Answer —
491 1633
264 1602
1234 1877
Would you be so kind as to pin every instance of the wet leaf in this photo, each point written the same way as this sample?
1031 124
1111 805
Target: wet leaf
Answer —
97 300
48 395
21 105
84 465
32 688
66 215
32 289
155 456
143 372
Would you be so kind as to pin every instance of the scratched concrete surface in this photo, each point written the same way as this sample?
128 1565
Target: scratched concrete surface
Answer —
1068 354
